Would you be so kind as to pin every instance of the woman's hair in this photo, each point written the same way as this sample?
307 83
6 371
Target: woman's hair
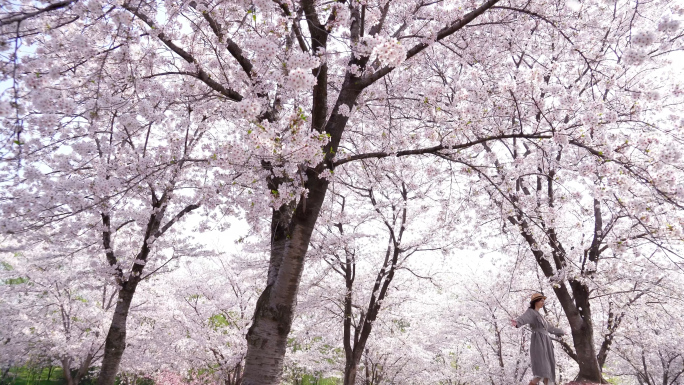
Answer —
532 303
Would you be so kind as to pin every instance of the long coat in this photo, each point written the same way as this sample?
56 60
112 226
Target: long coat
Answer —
541 346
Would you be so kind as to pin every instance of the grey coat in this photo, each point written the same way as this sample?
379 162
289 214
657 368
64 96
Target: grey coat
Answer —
541 346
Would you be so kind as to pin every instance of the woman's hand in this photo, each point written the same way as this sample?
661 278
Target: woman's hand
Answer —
514 323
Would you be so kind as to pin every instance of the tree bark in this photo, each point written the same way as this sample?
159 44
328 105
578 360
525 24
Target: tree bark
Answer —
267 337
577 309
115 344
66 368
350 370
582 328
82 370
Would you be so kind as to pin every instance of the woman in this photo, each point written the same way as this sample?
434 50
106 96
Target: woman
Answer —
541 347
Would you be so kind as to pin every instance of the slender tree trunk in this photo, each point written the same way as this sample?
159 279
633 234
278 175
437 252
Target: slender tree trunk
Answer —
82 370
575 299
66 368
354 347
237 378
115 344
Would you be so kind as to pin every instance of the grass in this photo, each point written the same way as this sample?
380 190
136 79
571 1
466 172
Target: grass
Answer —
30 376
308 379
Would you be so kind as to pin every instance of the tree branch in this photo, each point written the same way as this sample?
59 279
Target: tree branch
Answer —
201 74
18 18
434 149
232 47
175 219
443 33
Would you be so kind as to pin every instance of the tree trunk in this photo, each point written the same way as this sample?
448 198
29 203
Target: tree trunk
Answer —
66 368
589 369
578 312
82 370
356 345
235 378
575 299
115 344
267 337
582 328
350 373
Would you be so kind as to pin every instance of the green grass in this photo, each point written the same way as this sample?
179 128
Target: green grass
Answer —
308 379
28 376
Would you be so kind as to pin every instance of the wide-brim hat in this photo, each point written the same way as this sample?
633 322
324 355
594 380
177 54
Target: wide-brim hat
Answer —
537 296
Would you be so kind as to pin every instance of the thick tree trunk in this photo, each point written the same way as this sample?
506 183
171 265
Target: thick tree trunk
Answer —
589 369
267 337
582 328
578 312
350 373
115 344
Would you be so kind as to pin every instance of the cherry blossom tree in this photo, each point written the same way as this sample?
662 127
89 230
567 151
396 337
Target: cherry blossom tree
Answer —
60 307
614 231
397 203
480 345
647 346
196 319
259 104
609 171
53 312
104 176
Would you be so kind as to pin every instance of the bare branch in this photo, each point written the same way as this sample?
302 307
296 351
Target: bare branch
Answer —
434 149
201 74
21 16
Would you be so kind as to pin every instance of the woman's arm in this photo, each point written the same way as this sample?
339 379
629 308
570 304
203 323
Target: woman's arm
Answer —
524 319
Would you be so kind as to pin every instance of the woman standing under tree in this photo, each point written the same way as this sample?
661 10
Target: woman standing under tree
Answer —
541 346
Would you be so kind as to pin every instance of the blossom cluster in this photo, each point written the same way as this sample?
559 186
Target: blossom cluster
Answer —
249 108
390 52
300 79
